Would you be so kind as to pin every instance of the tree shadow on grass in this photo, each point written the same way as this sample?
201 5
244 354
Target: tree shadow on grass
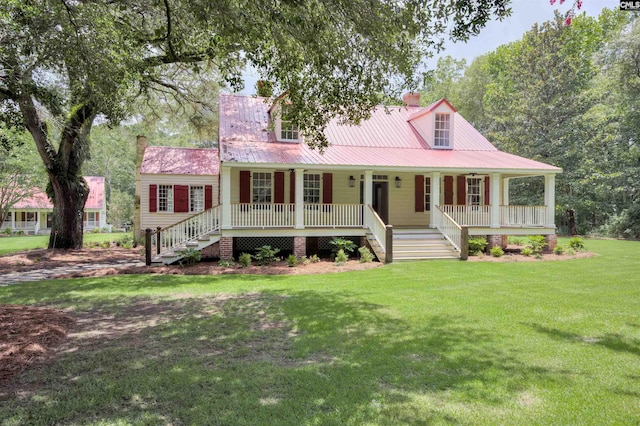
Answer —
276 357
613 341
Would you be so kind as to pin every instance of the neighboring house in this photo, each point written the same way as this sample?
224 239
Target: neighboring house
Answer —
413 181
33 215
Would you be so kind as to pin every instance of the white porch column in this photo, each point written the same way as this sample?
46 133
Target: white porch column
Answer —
550 199
225 197
299 200
494 195
368 187
435 197
505 191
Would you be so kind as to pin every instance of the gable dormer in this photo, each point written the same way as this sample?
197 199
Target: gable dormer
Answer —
284 128
436 124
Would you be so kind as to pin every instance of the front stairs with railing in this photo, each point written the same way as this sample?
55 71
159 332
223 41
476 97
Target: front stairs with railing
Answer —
421 244
175 254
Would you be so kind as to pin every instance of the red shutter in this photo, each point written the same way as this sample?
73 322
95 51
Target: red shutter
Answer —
327 188
24 216
278 187
84 216
448 190
419 194
97 216
462 190
245 186
180 198
292 187
153 198
487 183
208 196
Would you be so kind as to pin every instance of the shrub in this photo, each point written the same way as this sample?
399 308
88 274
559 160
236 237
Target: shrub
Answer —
558 250
343 244
314 259
96 230
477 245
105 244
341 257
526 251
536 243
226 263
576 243
365 255
266 255
570 252
292 260
305 260
496 251
20 232
7 230
516 241
190 256
244 260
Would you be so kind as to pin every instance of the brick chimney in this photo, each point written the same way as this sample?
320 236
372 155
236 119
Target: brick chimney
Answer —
411 99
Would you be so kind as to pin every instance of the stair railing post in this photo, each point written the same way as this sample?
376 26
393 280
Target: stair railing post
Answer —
388 250
147 246
158 241
464 243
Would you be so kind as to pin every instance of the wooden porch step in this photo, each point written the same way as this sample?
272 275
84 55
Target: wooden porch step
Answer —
421 244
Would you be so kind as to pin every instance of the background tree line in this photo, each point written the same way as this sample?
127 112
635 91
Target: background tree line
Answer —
568 95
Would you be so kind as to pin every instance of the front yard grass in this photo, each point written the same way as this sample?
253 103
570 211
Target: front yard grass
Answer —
438 342
12 244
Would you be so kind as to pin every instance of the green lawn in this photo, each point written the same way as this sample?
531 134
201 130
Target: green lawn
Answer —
438 342
28 242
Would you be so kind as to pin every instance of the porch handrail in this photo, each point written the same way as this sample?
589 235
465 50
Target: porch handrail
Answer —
451 230
377 226
189 229
468 215
262 215
523 215
333 215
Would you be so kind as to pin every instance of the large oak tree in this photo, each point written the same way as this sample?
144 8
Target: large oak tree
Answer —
64 63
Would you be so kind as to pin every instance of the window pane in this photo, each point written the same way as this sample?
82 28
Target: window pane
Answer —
427 194
442 130
312 188
196 198
261 187
165 198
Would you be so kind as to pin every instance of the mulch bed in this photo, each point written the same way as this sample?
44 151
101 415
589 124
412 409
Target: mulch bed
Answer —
28 334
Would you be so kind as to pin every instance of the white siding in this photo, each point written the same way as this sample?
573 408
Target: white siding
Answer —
162 219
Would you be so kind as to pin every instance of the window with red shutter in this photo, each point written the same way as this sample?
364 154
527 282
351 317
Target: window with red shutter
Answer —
208 196
448 190
419 194
153 198
327 188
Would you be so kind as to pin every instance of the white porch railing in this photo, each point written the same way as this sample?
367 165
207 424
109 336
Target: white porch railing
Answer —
468 215
512 216
451 230
376 226
178 234
91 224
523 215
258 215
26 226
333 215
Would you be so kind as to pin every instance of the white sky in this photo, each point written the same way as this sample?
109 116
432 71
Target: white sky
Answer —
524 14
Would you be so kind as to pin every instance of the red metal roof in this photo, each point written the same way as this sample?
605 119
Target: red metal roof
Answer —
39 199
387 139
179 161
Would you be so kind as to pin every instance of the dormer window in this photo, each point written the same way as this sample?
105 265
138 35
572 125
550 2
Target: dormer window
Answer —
288 129
442 130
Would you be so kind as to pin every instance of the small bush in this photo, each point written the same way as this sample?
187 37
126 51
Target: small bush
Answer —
496 251
292 260
244 260
570 252
20 232
576 243
526 251
266 255
226 263
558 250
105 244
536 243
96 230
365 255
7 230
314 259
305 260
516 241
341 257
343 244
477 245
190 257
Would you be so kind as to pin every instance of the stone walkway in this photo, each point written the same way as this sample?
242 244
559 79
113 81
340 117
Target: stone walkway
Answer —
48 274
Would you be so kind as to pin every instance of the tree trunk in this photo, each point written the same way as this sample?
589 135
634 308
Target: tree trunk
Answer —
571 222
69 195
